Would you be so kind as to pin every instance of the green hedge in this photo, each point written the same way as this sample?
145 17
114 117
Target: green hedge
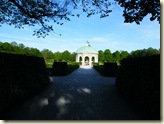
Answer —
108 69
62 68
99 68
59 69
72 68
21 77
139 81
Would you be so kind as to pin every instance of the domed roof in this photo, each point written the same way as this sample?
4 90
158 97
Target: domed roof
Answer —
87 49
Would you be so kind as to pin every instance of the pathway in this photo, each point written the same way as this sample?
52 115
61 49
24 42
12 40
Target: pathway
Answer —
82 95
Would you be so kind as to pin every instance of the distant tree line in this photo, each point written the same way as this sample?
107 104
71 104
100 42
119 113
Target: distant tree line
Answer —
104 56
15 48
107 56
59 56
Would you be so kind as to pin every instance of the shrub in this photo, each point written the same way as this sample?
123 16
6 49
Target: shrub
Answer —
110 69
72 68
59 69
74 63
139 81
99 68
21 77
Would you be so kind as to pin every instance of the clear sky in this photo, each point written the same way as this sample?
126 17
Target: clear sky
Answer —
102 33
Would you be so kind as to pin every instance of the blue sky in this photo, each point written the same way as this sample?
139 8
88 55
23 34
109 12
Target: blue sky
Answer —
102 33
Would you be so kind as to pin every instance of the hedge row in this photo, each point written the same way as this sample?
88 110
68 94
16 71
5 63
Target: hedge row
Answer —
108 69
63 68
139 81
59 68
21 77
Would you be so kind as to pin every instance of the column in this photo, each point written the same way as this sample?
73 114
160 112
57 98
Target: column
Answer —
90 60
77 58
96 58
83 60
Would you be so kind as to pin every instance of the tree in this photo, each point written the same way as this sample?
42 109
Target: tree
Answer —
13 43
66 56
124 54
36 52
21 46
151 51
47 54
108 55
73 57
145 52
57 56
6 47
15 48
116 56
136 53
101 56
40 12
136 10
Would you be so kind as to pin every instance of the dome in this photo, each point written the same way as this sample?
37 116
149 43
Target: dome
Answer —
87 49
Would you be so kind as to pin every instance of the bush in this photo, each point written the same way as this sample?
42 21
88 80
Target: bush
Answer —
110 69
62 68
21 77
59 69
75 63
72 68
99 68
139 81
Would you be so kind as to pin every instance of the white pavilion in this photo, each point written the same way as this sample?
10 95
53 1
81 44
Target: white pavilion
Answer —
87 55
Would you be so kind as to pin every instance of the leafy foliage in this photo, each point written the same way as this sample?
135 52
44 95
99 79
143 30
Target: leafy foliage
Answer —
101 56
136 10
15 48
66 55
145 52
107 55
124 54
41 12
47 54
116 56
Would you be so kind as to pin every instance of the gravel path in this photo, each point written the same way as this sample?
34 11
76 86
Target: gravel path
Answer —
82 95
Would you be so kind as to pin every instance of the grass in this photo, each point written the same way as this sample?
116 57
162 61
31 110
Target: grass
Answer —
49 64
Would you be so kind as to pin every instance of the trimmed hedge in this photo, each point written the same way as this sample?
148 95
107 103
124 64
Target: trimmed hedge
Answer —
139 81
99 68
21 77
108 69
59 69
72 68
62 68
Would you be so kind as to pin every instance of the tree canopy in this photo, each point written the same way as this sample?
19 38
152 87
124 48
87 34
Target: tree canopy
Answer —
15 48
40 12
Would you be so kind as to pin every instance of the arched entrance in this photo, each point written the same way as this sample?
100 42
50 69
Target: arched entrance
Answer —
86 60
80 59
93 59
